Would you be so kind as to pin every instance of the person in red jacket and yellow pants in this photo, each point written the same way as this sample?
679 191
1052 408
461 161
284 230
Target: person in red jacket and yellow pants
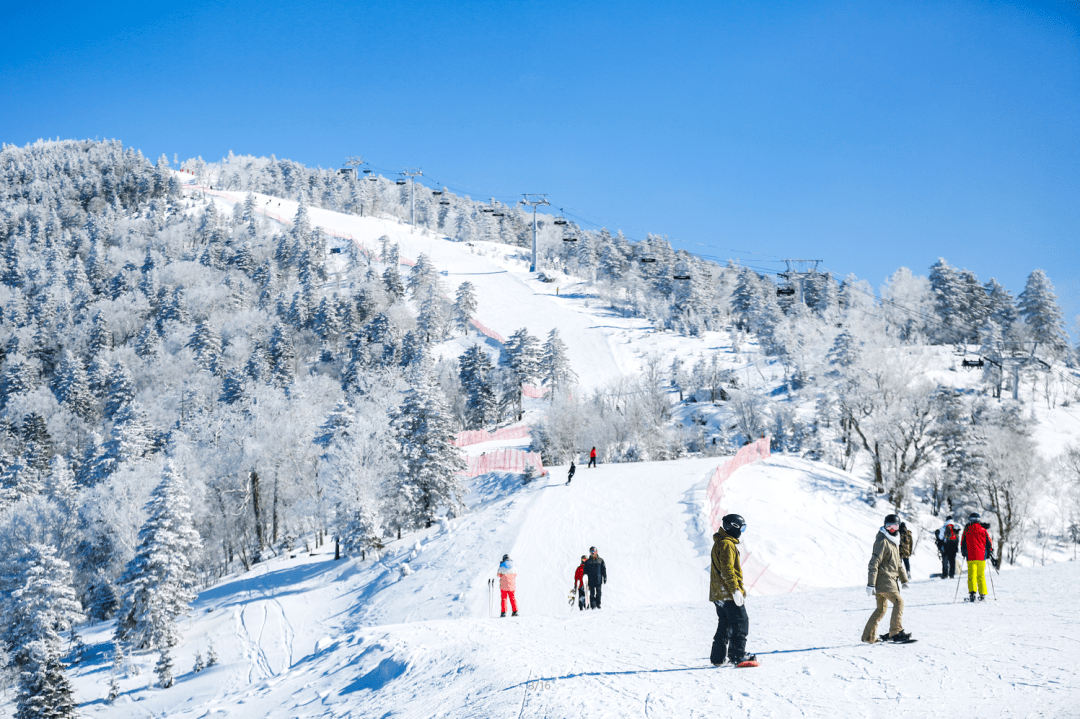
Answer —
975 546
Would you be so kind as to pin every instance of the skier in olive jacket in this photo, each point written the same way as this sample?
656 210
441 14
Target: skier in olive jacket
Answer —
907 544
727 592
886 574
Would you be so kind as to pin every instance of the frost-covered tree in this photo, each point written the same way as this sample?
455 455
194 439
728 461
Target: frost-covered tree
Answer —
474 373
554 368
158 583
430 462
205 342
521 357
1041 313
37 602
464 307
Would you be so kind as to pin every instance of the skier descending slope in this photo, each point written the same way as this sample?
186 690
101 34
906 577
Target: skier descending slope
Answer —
508 584
886 574
727 592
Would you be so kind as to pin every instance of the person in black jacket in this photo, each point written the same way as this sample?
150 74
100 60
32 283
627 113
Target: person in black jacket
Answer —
596 571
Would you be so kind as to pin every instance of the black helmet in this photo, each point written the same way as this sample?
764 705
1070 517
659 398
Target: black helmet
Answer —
505 557
733 524
891 519
974 517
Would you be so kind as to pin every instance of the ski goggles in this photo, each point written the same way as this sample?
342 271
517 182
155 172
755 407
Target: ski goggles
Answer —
892 526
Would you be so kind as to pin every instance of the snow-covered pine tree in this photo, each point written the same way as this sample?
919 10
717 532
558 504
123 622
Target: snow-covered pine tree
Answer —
121 390
158 583
421 426
1041 313
554 366
431 321
948 300
37 602
205 342
474 365
464 307
521 357
72 388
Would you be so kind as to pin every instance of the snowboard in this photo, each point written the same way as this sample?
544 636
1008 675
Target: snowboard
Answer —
750 663
884 639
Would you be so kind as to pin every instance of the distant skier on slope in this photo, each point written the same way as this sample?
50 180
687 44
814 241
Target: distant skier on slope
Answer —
508 584
886 575
727 592
906 546
976 546
570 474
592 458
596 571
579 582
948 538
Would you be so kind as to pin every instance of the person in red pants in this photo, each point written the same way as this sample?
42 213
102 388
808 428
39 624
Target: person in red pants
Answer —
508 584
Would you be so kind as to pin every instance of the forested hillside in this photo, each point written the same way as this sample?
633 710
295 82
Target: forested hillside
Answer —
205 385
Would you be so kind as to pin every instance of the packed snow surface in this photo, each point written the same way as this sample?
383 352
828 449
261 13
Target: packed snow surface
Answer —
307 636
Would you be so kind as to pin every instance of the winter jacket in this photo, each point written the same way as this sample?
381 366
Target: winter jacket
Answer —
592 453
975 542
906 542
885 567
596 570
725 578
947 536
579 573
507 576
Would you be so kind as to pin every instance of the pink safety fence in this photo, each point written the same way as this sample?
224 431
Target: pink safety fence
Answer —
476 436
504 460
755 572
534 392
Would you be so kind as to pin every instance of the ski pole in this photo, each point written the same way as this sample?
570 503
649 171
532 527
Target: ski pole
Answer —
992 585
959 577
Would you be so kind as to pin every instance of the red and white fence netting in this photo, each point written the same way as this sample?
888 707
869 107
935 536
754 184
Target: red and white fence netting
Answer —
755 572
476 436
504 460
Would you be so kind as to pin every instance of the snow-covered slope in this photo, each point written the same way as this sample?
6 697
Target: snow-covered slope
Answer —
308 636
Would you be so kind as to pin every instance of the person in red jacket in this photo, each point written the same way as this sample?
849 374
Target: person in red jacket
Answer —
579 583
592 458
975 546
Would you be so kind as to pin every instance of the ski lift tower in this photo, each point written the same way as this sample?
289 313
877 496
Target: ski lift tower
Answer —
1012 355
412 172
797 270
534 200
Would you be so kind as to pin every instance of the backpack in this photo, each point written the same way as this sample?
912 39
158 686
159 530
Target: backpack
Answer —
950 534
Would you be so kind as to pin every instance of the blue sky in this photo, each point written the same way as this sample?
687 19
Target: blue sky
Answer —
870 135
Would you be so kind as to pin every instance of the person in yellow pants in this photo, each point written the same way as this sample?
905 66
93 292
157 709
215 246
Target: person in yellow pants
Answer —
975 546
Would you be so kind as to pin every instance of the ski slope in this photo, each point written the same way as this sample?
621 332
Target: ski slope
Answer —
306 636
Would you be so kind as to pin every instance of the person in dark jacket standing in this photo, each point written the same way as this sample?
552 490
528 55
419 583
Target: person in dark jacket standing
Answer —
592 458
570 474
976 547
907 544
727 592
948 544
596 571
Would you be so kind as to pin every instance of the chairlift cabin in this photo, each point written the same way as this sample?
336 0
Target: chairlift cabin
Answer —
444 202
785 291
487 209
436 192
373 178
648 260
349 172
402 182
569 238
498 214
680 277
972 363
367 171
560 221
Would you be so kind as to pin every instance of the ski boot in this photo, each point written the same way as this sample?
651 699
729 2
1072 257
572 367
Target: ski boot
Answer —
513 615
503 614
982 597
971 596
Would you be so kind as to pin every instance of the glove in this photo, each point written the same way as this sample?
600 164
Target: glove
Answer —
739 598
870 591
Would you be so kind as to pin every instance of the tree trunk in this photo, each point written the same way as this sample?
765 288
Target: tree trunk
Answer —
259 538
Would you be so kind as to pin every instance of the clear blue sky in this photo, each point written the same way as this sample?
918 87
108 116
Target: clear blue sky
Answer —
871 135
